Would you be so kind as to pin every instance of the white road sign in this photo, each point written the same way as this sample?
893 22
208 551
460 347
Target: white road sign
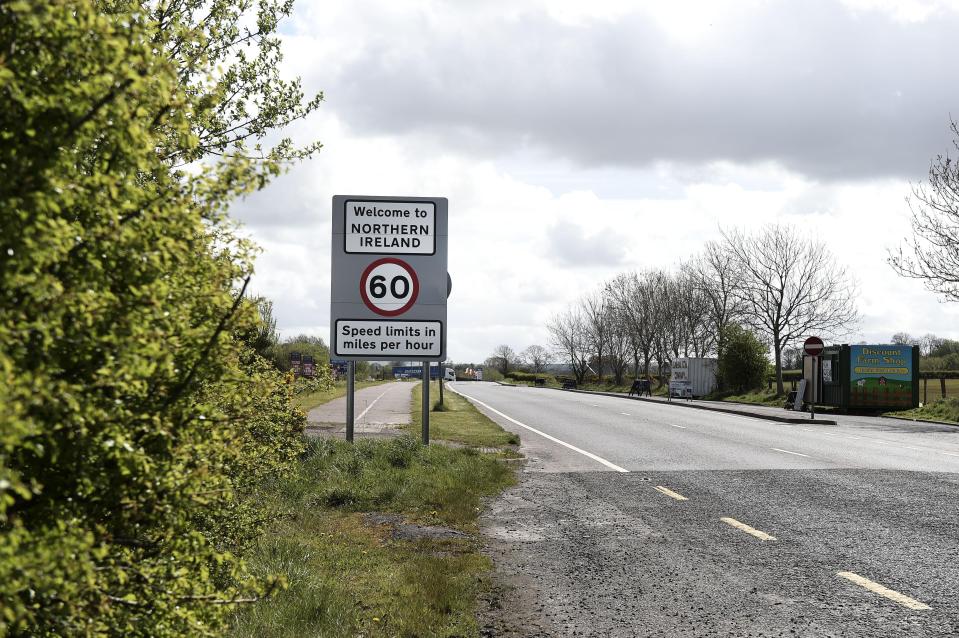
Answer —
389 339
390 228
389 284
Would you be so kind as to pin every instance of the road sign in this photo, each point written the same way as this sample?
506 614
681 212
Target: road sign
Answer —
389 286
389 279
813 346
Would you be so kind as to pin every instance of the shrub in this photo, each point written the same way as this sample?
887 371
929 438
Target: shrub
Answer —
134 420
742 360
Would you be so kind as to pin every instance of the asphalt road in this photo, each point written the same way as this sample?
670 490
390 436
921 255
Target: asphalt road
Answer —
378 411
785 530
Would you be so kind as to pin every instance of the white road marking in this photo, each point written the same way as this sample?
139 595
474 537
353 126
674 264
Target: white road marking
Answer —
671 494
950 454
625 413
683 427
595 405
876 588
600 459
788 452
763 536
363 413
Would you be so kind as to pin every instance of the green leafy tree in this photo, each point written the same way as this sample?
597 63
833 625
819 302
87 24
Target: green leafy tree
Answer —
304 344
133 416
743 362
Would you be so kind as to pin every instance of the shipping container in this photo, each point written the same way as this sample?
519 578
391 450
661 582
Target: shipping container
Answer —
692 377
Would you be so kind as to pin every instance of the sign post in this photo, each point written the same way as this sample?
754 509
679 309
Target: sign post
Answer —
350 408
813 346
389 283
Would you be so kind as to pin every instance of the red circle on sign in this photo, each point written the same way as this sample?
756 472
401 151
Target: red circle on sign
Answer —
813 346
414 286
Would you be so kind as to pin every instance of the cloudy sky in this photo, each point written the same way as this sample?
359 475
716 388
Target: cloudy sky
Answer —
576 140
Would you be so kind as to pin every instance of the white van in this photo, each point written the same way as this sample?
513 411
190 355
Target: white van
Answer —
449 375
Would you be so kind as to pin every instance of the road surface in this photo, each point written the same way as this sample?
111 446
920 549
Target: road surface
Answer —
641 519
378 411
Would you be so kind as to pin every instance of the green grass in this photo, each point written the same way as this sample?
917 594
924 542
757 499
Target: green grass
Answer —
756 397
939 410
934 392
349 578
307 402
458 421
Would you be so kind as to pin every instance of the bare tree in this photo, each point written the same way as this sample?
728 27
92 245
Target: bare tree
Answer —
536 357
933 253
693 306
792 287
596 310
568 336
505 357
619 343
631 295
716 276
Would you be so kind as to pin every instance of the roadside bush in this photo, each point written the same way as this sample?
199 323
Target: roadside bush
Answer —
134 418
530 377
742 360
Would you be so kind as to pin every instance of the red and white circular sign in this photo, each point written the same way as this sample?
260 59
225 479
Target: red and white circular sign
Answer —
389 286
813 346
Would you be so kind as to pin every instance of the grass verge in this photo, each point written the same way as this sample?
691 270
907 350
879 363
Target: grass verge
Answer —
941 410
457 420
756 397
350 577
307 402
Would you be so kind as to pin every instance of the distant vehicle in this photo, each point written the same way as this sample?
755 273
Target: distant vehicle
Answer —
479 374
450 375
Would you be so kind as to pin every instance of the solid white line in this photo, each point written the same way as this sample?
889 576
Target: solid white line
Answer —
363 413
788 452
891 594
600 459
950 454
626 414
671 494
676 426
763 536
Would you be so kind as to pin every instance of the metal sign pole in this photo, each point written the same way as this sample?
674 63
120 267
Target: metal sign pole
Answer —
814 392
426 403
350 373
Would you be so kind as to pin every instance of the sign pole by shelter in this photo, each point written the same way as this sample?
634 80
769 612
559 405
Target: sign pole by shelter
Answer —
389 280
813 346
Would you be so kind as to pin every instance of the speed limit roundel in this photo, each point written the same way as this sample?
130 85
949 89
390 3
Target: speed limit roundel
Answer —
389 286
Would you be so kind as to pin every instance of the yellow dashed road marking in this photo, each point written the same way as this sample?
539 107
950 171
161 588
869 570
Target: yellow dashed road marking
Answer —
671 494
876 588
763 536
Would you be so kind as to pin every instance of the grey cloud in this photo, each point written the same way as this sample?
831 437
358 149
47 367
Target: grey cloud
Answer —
825 92
568 244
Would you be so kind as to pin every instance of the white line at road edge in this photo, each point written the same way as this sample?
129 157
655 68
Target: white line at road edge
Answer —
788 452
891 594
683 427
611 466
363 413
